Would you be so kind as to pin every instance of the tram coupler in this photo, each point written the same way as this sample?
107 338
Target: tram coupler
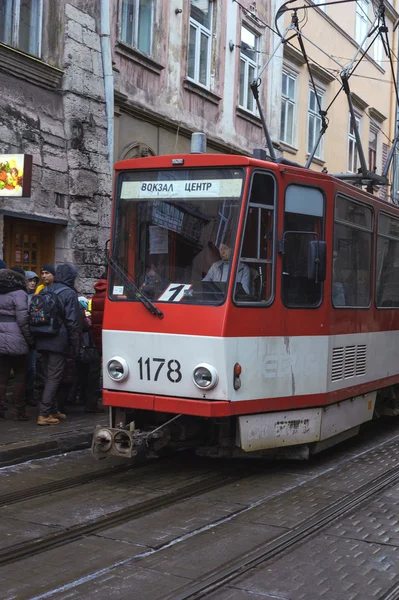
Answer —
124 443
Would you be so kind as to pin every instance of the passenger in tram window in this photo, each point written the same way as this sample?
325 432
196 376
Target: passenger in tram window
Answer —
220 269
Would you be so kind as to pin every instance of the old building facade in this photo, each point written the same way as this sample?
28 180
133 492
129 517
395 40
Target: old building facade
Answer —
187 66
175 66
337 33
52 107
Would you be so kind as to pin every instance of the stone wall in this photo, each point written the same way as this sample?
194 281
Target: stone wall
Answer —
65 131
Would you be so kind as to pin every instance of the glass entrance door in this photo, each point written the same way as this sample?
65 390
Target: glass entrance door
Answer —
28 244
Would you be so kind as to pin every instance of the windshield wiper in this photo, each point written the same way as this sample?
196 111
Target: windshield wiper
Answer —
132 287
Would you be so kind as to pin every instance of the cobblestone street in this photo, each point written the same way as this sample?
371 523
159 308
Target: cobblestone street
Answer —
188 527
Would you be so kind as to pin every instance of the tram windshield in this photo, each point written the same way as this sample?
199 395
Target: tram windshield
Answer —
174 234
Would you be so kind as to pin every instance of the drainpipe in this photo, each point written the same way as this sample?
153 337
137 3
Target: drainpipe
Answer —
106 55
395 174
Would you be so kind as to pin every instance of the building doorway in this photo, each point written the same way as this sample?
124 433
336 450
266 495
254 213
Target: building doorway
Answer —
28 244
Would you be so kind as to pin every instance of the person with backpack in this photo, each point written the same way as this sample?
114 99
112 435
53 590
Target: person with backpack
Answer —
33 280
54 320
15 340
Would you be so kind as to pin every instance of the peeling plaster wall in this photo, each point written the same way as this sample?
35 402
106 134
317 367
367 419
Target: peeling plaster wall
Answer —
161 97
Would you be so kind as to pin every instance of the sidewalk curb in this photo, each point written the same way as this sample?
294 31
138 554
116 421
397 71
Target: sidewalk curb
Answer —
15 453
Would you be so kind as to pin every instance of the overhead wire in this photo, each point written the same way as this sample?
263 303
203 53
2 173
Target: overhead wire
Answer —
377 30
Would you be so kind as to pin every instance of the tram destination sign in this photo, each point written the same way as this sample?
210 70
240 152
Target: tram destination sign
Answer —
15 175
212 188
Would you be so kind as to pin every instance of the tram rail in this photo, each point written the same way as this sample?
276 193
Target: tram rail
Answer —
35 546
61 485
287 541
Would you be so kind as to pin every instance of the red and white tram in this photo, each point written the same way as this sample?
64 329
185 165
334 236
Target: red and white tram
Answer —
266 312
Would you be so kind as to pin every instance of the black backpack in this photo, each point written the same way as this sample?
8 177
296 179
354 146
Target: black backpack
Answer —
45 312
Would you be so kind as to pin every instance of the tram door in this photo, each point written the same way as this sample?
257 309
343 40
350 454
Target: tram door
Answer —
28 244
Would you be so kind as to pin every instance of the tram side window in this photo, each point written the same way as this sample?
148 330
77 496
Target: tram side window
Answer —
387 278
254 277
353 230
303 223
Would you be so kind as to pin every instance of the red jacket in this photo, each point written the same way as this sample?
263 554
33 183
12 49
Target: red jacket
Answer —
97 311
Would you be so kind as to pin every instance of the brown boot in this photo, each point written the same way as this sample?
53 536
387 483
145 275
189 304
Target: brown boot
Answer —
47 420
58 415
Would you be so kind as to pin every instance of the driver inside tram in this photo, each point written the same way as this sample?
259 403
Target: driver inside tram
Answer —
220 269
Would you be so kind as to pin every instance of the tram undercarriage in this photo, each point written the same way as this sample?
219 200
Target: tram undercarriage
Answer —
295 434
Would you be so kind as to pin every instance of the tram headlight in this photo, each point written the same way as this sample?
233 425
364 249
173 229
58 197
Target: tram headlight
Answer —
205 376
103 440
117 368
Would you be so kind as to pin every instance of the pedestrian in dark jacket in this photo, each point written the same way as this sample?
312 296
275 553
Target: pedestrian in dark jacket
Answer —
97 310
2 264
33 280
55 349
15 339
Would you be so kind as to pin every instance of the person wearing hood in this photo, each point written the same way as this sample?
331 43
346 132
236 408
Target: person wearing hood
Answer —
15 339
55 349
33 280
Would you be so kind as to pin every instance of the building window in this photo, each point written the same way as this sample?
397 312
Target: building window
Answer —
373 139
353 156
314 123
378 51
21 24
137 24
200 40
288 109
249 46
362 18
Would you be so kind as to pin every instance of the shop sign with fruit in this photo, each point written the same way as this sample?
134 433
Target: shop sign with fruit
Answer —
15 175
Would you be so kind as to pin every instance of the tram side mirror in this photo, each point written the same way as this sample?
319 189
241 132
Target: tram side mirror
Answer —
317 261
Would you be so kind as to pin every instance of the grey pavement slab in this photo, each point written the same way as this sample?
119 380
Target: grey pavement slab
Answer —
57 567
258 487
170 523
76 505
15 478
328 568
24 440
124 583
196 556
378 521
14 532
292 507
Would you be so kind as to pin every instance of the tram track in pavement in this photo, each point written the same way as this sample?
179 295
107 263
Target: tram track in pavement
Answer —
259 556
15 553
218 578
62 484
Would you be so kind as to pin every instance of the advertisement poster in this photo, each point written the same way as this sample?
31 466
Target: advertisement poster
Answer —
15 175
